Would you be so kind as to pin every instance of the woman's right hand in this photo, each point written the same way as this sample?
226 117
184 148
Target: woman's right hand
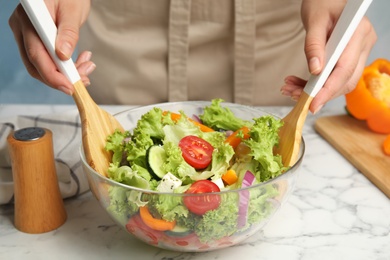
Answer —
319 19
68 15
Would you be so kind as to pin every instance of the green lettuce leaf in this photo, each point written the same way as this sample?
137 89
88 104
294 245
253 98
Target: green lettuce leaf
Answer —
115 143
124 174
151 124
124 203
260 205
264 137
149 131
168 207
221 222
218 117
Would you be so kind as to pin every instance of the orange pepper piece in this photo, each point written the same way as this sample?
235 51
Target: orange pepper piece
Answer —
154 223
235 139
230 177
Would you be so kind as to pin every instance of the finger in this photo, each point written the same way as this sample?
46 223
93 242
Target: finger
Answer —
83 57
286 90
85 66
34 55
15 25
326 94
41 60
315 41
368 33
334 85
84 70
349 68
69 20
293 80
291 84
294 92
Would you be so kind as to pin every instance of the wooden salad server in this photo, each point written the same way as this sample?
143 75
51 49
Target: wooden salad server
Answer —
291 132
96 124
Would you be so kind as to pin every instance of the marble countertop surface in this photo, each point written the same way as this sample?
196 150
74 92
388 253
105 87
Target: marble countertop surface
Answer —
334 212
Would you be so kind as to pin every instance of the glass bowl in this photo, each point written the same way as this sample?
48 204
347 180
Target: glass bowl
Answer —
216 229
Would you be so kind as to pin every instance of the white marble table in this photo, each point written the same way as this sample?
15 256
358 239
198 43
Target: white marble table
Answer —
333 213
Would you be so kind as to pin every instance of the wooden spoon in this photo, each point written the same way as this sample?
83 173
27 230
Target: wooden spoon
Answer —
291 132
96 124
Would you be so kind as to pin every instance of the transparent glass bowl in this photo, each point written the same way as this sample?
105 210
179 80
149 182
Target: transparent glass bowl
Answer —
223 229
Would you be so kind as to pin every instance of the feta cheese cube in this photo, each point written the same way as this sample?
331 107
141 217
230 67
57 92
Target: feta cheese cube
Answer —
219 183
168 183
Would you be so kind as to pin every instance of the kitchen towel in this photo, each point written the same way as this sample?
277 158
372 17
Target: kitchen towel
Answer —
66 129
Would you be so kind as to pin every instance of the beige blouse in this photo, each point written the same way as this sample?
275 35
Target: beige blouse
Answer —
153 51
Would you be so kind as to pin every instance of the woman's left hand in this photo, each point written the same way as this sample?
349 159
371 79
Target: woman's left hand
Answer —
319 18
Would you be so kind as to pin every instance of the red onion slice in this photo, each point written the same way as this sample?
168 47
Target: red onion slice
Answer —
244 195
196 118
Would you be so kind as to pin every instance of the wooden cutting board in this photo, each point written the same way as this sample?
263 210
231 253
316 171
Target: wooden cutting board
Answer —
358 145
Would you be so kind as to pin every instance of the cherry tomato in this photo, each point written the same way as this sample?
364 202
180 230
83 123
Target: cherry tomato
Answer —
201 204
196 151
138 228
190 240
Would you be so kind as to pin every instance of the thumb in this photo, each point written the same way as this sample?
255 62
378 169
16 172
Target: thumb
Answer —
315 42
67 34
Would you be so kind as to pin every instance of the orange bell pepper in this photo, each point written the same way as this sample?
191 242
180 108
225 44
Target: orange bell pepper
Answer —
386 145
370 100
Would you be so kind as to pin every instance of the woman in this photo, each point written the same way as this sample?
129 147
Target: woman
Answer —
149 51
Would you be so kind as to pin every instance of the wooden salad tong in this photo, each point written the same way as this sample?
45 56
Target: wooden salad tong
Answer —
291 132
96 123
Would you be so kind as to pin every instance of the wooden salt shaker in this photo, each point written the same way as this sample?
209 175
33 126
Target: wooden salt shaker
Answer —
39 206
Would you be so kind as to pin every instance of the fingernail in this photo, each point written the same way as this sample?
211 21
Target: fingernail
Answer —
285 93
88 56
66 49
65 90
314 65
87 83
318 109
287 80
294 98
90 68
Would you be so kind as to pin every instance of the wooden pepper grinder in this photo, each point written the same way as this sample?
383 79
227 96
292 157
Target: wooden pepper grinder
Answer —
39 206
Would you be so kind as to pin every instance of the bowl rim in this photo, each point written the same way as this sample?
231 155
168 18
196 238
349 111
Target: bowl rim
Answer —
268 182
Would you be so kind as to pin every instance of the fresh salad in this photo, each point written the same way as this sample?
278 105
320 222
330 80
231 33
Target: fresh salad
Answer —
170 152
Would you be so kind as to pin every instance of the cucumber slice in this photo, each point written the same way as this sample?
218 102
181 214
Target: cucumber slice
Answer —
155 158
178 231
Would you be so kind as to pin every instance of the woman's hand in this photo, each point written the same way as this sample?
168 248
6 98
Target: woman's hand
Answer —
319 18
68 15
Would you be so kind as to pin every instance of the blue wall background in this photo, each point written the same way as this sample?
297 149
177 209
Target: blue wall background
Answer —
16 85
